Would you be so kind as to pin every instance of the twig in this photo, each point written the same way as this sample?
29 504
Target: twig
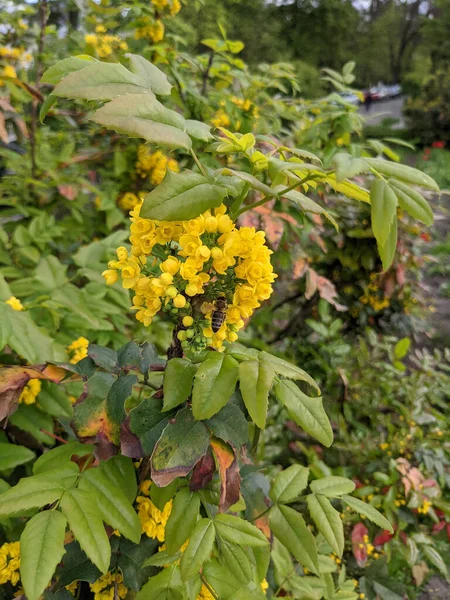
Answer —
52 435
198 163
209 588
206 73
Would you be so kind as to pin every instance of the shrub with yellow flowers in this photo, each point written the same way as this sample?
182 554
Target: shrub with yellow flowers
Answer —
105 44
78 350
109 586
153 165
183 267
10 563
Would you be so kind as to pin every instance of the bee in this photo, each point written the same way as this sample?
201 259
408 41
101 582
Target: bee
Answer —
218 314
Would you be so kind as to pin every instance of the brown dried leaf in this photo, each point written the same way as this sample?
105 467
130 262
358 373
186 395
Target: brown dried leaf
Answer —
230 479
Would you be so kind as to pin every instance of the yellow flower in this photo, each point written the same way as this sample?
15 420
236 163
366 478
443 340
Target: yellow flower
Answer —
175 8
9 563
78 350
30 392
9 71
109 587
205 594
153 520
160 4
15 303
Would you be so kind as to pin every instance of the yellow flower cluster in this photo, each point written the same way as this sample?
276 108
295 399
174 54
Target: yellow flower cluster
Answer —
17 54
154 165
208 255
15 303
10 563
150 30
372 296
30 392
105 44
72 588
128 201
153 520
220 118
8 71
425 508
78 350
105 587
173 6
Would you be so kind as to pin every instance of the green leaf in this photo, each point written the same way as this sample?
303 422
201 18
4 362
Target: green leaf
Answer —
38 490
131 561
327 520
143 116
230 425
290 529
214 384
347 166
85 521
114 506
413 202
332 486
76 566
198 130
182 520
149 76
367 511
160 496
53 458
383 210
199 549
41 549
12 455
255 381
55 401
254 182
403 173
288 484
63 67
387 252
178 378
120 390
308 206
100 81
31 419
237 561
181 196
104 357
435 559
237 531
287 369
305 411
46 106
401 348
167 585
121 472
183 442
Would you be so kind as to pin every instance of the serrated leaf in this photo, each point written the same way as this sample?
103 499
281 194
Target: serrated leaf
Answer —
114 506
62 68
383 210
387 252
182 520
121 472
229 425
238 531
413 202
332 486
367 511
149 75
309 206
181 196
198 130
288 484
167 585
289 527
255 381
85 521
41 549
347 166
143 116
237 561
435 559
254 182
11 456
403 173
199 549
327 520
214 384
305 411
178 379
287 369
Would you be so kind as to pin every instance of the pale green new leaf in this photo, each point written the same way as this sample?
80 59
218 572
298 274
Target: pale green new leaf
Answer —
288 484
85 521
383 210
305 411
255 381
214 384
237 531
287 369
413 202
332 486
199 549
114 506
143 116
327 520
178 379
289 527
41 549
403 173
182 197
182 520
367 511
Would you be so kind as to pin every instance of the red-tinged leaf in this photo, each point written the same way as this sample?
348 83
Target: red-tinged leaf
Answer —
311 284
359 547
249 219
130 445
318 239
448 531
274 229
382 538
203 473
437 527
230 479
14 378
299 268
68 191
328 292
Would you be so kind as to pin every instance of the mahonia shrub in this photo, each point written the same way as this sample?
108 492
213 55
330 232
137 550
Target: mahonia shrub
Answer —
156 492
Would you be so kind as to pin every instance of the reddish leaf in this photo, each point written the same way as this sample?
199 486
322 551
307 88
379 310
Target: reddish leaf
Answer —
130 444
328 292
274 229
311 283
383 538
299 268
230 478
437 527
359 547
203 473
14 378
68 191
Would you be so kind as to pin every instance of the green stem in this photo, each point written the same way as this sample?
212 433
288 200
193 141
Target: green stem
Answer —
198 163
209 588
377 174
271 196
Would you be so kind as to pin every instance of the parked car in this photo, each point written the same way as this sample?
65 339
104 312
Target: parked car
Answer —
349 97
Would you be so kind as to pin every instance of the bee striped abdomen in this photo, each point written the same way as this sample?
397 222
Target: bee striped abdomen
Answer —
217 319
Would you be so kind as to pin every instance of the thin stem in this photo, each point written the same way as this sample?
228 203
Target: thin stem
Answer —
206 73
271 196
209 588
256 436
261 514
377 174
198 163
